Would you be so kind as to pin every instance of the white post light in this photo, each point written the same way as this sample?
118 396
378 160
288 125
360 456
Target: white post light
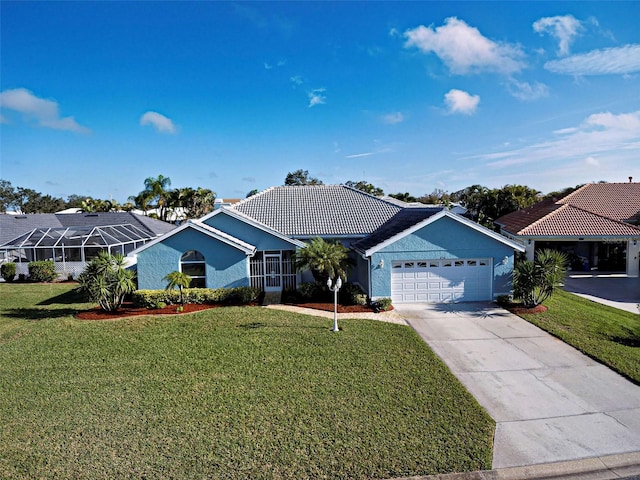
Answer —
336 286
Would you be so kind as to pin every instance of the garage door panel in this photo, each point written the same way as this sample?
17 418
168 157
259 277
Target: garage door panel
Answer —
446 280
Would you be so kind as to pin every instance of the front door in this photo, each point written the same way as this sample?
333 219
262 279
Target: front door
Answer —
272 272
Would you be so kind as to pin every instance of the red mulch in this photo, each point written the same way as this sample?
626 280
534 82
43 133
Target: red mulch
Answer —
328 307
519 310
128 310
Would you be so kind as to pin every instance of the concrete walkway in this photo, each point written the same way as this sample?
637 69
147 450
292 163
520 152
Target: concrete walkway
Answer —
550 402
618 291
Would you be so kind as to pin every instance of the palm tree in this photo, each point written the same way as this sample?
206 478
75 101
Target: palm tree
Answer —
535 281
157 190
179 280
106 280
324 259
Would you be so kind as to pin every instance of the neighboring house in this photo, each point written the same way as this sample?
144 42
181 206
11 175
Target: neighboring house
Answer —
408 254
597 226
72 239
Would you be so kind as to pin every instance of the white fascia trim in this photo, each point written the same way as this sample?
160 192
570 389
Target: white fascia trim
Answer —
438 216
202 228
254 223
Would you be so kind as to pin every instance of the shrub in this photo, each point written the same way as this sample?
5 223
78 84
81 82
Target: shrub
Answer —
42 271
238 295
351 294
535 281
382 304
311 291
8 271
106 281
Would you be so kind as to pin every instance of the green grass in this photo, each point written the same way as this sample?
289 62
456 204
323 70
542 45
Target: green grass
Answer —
607 334
225 393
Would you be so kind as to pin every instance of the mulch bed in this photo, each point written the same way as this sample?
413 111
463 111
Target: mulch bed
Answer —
128 310
328 307
520 310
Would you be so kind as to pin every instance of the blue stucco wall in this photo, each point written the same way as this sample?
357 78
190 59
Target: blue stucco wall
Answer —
247 233
444 238
226 266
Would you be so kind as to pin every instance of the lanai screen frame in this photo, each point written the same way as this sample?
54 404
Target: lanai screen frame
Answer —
74 244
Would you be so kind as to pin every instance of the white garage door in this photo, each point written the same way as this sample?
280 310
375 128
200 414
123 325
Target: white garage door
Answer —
438 281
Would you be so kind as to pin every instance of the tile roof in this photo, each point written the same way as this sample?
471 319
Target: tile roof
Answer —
13 226
399 223
596 209
620 201
318 210
570 221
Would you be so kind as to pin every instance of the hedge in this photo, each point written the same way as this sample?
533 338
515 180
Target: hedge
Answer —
234 296
42 271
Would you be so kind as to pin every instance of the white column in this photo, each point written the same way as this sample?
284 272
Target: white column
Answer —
530 246
633 254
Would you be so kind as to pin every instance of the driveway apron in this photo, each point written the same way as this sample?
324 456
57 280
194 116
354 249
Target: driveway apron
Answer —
550 402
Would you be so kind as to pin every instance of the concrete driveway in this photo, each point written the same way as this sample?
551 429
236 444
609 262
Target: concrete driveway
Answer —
617 291
550 402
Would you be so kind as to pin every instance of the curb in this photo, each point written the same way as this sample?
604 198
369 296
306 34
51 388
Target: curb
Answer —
608 467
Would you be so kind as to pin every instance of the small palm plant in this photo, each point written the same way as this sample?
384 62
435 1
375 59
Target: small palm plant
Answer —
534 281
178 280
325 259
106 280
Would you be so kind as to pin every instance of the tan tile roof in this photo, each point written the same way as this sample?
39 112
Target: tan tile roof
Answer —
620 201
597 209
569 221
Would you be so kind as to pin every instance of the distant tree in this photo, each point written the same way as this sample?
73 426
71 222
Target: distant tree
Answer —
437 197
366 187
252 193
75 201
485 205
405 197
195 203
560 194
301 177
157 188
97 205
7 195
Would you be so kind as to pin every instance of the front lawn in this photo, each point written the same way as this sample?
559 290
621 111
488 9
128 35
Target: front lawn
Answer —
238 392
607 334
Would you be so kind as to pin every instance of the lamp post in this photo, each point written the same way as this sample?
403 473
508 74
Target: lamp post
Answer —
336 286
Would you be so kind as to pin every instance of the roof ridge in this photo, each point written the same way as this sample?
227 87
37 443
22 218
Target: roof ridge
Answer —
604 217
244 200
574 193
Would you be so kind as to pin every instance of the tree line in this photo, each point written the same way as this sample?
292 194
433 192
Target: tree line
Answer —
157 199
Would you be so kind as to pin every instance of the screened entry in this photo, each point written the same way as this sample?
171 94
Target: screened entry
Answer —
71 248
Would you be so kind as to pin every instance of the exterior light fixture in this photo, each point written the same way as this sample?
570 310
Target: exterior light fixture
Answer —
381 263
336 286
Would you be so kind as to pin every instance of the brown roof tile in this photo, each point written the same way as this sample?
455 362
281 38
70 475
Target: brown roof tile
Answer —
620 201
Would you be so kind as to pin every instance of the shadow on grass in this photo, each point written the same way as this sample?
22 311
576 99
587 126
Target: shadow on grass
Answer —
38 313
66 298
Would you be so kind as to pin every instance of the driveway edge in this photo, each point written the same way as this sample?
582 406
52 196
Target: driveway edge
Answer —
597 468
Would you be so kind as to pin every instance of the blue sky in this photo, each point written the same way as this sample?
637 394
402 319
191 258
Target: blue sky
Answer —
97 96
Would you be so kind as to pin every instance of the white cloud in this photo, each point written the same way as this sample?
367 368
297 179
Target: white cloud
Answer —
44 112
615 136
562 28
459 101
593 162
464 49
158 121
526 90
392 118
317 97
296 80
608 61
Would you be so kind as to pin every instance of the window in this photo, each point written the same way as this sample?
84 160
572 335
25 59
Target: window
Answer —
192 263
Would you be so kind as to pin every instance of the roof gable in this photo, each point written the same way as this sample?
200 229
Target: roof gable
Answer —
318 210
205 229
250 221
369 248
